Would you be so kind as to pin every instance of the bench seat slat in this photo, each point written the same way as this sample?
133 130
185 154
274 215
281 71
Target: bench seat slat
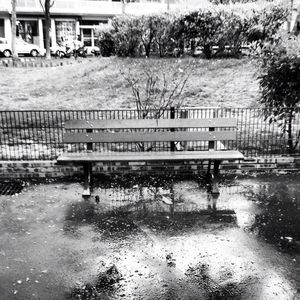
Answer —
151 123
151 156
166 136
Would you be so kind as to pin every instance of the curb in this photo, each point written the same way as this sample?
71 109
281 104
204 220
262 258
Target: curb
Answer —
34 63
50 168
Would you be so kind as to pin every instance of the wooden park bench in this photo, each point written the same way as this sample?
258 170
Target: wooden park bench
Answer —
143 133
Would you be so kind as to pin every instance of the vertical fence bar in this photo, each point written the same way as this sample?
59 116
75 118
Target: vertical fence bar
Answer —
172 116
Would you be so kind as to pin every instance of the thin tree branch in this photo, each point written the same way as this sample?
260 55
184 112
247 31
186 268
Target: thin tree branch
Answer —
42 5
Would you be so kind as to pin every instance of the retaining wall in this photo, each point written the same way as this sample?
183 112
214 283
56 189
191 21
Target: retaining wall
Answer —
50 169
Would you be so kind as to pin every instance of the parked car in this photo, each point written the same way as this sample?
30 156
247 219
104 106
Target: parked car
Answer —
22 48
92 50
58 50
67 51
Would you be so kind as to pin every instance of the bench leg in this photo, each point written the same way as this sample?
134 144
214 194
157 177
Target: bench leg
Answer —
87 169
212 179
208 175
215 188
212 202
217 168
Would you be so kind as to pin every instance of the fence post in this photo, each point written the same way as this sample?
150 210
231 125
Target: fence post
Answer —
211 144
172 116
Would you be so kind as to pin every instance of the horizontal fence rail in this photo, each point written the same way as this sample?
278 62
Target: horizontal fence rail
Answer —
38 135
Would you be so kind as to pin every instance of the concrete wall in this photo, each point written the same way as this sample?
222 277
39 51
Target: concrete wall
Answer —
49 169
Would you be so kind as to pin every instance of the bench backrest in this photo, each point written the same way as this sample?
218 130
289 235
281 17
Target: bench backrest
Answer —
151 130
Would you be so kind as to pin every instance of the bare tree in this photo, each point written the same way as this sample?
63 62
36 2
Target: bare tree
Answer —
155 91
46 5
13 29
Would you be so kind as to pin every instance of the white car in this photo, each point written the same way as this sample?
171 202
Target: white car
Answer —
92 50
22 48
59 51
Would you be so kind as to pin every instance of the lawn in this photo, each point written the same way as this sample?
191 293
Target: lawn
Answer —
97 83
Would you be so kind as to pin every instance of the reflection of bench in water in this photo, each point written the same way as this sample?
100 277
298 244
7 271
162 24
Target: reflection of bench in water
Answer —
160 215
129 216
156 209
165 200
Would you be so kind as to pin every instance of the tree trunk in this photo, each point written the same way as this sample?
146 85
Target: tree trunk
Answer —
147 49
181 46
290 132
207 51
47 24
13 30
193 46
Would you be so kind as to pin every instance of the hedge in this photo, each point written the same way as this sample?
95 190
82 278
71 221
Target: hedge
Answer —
215 30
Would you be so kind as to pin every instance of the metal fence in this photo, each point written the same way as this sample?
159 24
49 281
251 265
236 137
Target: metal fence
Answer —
38 135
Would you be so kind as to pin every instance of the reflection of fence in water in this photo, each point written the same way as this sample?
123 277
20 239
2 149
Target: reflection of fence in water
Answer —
178 197
155 199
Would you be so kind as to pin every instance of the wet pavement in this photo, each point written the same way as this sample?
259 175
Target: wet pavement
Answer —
153 239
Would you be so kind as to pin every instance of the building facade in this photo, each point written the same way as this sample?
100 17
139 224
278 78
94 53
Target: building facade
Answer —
294 24
72 18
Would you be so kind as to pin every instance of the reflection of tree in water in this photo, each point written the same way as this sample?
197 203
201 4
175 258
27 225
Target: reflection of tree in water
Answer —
279 220
227 289
102 287
113 223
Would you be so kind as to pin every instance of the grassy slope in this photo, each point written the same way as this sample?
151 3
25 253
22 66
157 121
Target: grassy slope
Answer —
98 84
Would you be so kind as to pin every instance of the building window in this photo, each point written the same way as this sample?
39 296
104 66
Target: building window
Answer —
65 31
27 31
89 22
2 28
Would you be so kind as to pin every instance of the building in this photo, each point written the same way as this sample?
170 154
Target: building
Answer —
72 18
294 25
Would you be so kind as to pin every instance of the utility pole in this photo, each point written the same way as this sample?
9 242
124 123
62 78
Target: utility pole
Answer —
13 29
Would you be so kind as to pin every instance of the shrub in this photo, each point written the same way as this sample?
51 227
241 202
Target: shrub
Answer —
219 25
106 43
126 34
146 29
233 33
265 23
280 85
165 34
203 26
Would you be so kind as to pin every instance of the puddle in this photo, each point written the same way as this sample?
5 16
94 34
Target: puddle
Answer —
168 239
